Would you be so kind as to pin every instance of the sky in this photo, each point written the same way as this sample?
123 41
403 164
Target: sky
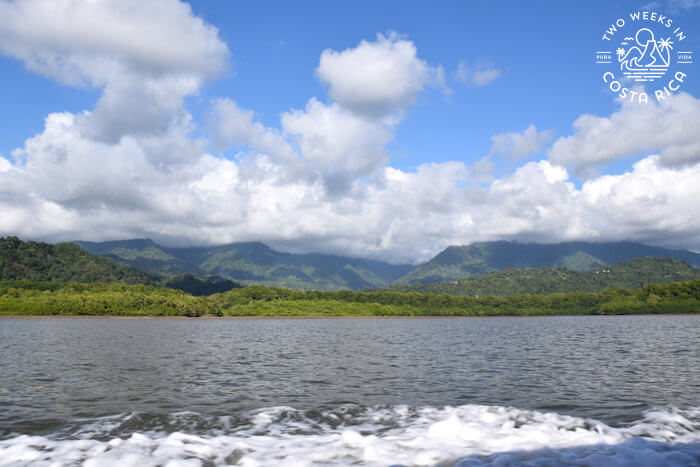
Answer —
386 130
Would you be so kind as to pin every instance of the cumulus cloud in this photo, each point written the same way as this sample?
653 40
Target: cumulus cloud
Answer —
84 43
321 181
334 140
481 171
518 145
321 141
371 85
479 74
670 128
231 125
408 217
5 165
377 78
145 56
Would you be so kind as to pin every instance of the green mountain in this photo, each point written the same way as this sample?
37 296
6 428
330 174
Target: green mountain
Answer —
525 268
252 263
67 262
461 262
632 274
64 262
141 254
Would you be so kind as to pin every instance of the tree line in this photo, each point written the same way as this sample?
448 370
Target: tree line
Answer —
54 298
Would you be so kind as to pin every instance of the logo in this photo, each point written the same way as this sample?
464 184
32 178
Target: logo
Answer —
643 55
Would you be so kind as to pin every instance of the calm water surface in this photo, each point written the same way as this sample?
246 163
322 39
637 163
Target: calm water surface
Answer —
396 385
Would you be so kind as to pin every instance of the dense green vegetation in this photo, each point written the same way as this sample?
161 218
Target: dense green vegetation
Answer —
62 262
251 263
41 298
461 262
632 274
195 286
67 262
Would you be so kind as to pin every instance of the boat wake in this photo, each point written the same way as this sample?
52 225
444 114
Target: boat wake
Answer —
349 434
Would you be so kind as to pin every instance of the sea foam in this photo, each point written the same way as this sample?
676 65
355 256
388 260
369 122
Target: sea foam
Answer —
382 436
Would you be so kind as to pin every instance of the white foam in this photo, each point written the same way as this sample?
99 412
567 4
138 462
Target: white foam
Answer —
462 436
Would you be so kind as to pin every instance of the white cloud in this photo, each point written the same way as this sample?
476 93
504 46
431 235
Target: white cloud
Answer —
518 145
65 192
145 56
371 85
671 128
86 42
377 78
336 141
5 165
479 74
651 203
229 124
482 170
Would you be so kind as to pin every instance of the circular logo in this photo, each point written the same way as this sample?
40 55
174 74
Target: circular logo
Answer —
643 56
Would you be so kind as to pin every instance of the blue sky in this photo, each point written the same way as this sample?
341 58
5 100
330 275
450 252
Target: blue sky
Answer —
541 50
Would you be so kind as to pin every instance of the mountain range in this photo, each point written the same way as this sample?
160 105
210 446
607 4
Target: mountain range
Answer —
493 268
461 262
251 263
257 263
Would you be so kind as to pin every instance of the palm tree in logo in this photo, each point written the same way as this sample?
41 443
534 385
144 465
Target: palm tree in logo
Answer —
620 53
665 45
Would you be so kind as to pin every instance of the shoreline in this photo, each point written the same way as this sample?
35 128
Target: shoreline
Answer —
194 318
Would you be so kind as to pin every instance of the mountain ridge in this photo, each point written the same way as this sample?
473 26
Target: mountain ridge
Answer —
465 261
256 263
253 263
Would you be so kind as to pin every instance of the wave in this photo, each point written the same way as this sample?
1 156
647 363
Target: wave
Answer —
399 435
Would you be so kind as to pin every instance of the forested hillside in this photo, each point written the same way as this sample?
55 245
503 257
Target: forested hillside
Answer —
632 274
461 262
20 260
67 262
